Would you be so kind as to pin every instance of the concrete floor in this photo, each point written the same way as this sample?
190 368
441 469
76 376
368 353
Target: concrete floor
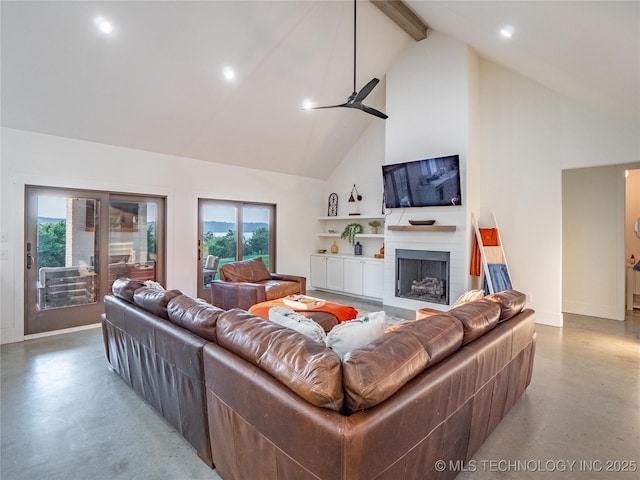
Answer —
65 415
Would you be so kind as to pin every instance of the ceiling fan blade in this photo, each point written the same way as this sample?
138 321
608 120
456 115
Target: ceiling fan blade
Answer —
372 111
355 99
366 90
329 106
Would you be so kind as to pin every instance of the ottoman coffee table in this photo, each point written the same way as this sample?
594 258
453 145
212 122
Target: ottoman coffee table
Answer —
328 315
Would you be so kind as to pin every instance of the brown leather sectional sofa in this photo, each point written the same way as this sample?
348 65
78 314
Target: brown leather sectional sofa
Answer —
261 401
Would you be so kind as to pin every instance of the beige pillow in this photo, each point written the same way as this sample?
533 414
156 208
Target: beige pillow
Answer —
295 321
469 296
356 333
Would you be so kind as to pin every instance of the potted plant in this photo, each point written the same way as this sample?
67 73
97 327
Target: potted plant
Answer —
374 224
350 232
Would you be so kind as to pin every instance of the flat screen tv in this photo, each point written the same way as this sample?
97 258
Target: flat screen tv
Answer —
432 182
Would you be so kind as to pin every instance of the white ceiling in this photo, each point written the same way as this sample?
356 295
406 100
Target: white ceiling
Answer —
155 84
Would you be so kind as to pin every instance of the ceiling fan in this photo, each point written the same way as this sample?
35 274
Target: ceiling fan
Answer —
356 98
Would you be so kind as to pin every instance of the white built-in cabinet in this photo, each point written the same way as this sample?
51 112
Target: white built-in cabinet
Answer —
363 276
353 277
345 272
327 272
352 274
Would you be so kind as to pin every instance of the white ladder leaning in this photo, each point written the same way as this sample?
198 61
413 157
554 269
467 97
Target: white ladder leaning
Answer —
494 261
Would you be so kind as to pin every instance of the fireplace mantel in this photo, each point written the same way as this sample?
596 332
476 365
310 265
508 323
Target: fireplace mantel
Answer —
422 228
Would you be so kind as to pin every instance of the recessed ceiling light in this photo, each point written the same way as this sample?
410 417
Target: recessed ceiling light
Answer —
307 104
228 73
507 31
104 25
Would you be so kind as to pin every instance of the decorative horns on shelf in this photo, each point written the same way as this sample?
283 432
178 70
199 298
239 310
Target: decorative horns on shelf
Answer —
358 196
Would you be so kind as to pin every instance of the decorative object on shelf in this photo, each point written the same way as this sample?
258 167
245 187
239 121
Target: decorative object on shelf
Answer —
334 247
357 249
422 228
374 224
350 231
322 250
357 197
422 222
381 254
354 200
332 210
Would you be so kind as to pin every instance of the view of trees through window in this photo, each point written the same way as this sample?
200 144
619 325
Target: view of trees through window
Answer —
52 239
225 246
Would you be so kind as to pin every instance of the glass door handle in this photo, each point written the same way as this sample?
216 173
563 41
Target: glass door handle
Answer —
29 261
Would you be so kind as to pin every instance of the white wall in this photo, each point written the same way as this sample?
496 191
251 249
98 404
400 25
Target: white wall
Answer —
632 212
593 243
34 159
528 135
430 101
363 166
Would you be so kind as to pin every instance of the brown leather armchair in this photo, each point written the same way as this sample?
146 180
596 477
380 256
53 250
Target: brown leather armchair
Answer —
245 283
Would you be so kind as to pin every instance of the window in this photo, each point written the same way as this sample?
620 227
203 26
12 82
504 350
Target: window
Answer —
229 231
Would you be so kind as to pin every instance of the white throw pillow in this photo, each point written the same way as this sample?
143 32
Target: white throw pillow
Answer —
470 296
356 333
295 321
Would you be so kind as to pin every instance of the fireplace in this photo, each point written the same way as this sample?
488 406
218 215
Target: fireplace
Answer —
423 275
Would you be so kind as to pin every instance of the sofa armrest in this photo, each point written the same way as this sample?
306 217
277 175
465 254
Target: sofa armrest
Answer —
292 278
228 295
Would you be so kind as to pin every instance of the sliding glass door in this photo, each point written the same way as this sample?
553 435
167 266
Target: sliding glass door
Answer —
77 243
231 231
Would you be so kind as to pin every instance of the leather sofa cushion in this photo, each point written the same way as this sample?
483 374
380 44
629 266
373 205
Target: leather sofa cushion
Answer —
306 367
371 376
124 288
376 371
155 301
511 303
253 270
195 315
477 318
441 336
275 289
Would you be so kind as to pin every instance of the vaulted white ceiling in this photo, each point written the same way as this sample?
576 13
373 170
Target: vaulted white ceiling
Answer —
156 82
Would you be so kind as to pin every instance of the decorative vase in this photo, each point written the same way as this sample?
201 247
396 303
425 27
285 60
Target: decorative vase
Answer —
357 248
374 230
334 247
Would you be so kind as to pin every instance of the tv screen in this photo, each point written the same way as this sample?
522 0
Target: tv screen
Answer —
423 183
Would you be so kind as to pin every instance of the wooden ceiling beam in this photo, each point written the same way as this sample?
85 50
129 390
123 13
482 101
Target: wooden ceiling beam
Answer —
399 12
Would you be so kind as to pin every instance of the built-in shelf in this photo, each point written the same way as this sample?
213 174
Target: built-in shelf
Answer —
422 228
354 217
359 235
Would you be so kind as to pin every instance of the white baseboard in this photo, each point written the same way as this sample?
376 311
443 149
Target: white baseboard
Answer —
592 310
